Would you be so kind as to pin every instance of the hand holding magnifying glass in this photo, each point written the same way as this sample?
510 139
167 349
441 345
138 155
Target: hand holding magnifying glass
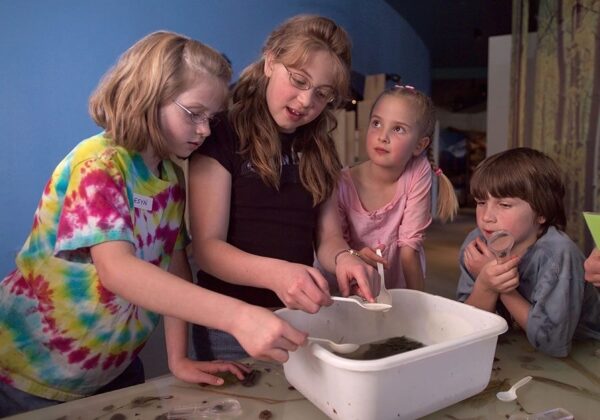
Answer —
501 243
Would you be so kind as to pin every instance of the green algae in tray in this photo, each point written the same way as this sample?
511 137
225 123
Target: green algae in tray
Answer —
383 348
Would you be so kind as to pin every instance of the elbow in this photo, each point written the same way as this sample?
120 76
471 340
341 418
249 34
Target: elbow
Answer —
198 247
107 276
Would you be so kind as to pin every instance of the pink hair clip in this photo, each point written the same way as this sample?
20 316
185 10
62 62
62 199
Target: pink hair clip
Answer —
438 171
404 87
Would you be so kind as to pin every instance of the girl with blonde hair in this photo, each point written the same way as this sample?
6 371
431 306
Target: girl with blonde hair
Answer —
272 163
385 201
106 255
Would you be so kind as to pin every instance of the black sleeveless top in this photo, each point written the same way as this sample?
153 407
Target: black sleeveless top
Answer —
262 220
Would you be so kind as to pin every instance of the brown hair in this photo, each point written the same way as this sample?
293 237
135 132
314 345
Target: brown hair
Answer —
527 174
447 203
291 44
152 71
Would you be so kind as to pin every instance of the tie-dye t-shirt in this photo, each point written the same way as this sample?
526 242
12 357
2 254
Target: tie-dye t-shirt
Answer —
62 334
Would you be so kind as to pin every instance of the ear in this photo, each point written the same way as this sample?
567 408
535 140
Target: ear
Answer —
540 220
421 145
268 66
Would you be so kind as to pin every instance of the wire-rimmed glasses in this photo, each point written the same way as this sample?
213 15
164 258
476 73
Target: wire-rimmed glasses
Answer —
325 94
196 118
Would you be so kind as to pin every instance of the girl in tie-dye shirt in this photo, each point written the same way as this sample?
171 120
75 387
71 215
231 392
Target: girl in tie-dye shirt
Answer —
106 253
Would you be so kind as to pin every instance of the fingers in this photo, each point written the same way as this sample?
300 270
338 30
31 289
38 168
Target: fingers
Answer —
202 372
310 292
352 270
482 247
368 284
592 268
507 278
319 281
369 256
290 340
238 369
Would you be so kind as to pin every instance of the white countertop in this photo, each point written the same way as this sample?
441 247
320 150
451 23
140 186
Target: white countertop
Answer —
572 383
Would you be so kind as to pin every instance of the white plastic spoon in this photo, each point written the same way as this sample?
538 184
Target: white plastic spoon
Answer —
511 394
367 305
384 295
336 347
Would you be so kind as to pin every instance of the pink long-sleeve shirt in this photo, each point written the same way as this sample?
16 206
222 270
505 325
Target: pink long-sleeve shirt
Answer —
401 222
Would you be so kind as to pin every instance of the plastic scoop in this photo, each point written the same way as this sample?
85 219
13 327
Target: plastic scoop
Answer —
336 347
367 305
219 409
511 394
501 243
384 295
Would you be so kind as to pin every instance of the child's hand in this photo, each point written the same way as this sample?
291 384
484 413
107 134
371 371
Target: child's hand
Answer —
355 277
369 256
264 335
592 268
203 372
476 256
500 277
302 287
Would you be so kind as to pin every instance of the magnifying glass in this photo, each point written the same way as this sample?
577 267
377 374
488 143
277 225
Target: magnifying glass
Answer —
501 243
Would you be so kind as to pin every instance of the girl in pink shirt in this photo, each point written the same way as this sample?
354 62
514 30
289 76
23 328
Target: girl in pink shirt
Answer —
385 201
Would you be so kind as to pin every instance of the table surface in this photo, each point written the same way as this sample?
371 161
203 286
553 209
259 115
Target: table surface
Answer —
571 383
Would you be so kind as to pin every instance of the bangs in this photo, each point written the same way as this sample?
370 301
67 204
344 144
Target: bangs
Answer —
500 179
299 55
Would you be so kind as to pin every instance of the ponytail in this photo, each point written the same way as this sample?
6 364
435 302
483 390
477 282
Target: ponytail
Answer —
447 203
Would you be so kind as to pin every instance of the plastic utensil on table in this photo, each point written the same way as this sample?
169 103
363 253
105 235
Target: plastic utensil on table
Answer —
501 243
511 394
219 409
554 414
336 347
367 305
384 295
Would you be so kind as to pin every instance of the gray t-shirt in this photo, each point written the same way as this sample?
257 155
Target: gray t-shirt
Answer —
551 278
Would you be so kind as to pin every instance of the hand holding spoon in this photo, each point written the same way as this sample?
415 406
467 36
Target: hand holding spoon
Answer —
367 305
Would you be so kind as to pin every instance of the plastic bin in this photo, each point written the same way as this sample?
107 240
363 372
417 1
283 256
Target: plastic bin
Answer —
455 364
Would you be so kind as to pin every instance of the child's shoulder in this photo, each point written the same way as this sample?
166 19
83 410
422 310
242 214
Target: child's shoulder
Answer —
555 243
96 146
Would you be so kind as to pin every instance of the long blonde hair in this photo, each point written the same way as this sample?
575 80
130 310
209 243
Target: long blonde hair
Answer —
447 203
292 43
151 72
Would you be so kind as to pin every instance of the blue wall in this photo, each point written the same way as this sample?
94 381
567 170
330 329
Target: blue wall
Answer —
55 52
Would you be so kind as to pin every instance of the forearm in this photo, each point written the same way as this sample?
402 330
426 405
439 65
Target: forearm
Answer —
518 307
330 238
482 298
228 263
157 290
411 268
327 250
176 334
176 339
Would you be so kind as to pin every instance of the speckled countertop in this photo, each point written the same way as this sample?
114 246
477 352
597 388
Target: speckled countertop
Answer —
572 383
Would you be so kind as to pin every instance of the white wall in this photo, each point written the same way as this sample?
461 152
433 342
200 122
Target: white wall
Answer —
499 63
498 93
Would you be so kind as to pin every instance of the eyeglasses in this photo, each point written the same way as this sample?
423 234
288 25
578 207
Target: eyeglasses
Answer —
195 118
299 81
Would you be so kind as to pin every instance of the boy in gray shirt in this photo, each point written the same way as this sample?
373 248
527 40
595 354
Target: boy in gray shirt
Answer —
541 285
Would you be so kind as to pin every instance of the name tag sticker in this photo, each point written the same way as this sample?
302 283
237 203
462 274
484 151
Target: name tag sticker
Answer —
142 202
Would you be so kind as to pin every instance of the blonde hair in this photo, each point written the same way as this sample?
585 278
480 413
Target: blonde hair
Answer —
292 43
447 203
151 72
